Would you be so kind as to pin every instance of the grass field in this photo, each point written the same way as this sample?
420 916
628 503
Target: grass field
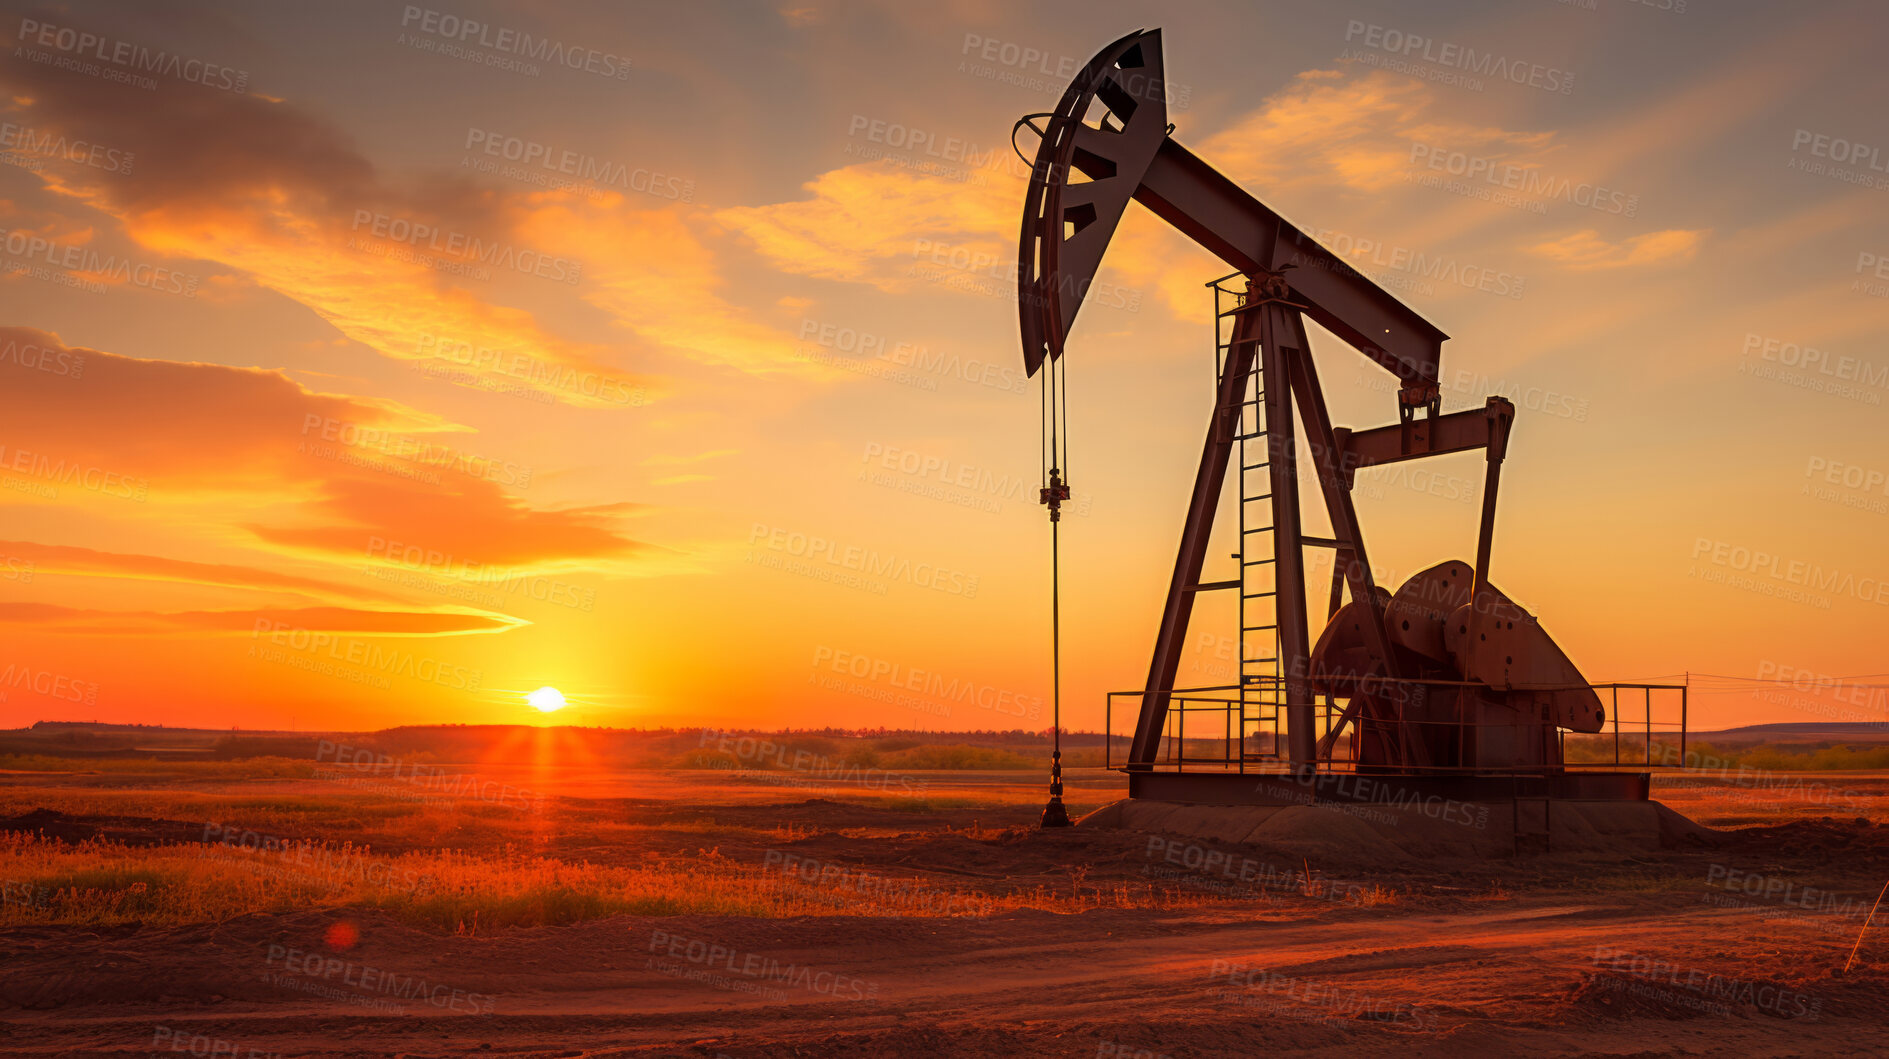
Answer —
556 892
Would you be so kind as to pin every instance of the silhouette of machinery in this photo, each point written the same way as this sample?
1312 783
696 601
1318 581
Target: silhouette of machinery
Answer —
1446 676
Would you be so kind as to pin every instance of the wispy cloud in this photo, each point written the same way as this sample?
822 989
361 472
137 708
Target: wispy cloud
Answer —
48 617
1587 250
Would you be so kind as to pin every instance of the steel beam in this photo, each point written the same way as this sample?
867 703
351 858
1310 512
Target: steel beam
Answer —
1344 517
1195 534
1422 436
1248 235
1499 414
1278 373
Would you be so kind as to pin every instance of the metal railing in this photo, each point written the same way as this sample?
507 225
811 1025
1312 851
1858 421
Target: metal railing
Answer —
1245 725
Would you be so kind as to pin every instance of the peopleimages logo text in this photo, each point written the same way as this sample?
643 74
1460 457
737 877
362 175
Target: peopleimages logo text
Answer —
578 168
513 42
459 245
123 53
1459 57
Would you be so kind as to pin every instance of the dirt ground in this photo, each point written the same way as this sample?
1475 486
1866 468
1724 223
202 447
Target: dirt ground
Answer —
1168 946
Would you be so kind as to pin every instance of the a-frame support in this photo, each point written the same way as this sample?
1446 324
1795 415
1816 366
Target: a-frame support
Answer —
1271 330
1222 431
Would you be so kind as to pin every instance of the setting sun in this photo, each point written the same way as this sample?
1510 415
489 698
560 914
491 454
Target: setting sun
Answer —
546 699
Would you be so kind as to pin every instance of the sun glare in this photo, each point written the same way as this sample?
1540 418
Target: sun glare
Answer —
546 699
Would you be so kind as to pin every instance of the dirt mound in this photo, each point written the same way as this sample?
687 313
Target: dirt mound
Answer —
128 830
1614 996
1326 832
895 1043
1856 842
1400 834
1677 831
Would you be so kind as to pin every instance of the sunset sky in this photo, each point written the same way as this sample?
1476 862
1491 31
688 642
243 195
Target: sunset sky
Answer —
375 364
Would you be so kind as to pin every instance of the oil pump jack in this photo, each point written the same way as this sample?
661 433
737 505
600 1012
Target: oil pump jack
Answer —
1444 684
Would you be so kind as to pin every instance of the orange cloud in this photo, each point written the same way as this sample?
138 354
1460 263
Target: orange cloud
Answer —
471 522
184 429
658 279
412 269
48 617
90 562
184 423
1357 129
881 224
288 199
1586 250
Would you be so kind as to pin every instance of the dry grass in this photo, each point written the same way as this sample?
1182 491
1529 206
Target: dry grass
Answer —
635 843
1822 756
462 864
505 867
384 820
104 883
247 768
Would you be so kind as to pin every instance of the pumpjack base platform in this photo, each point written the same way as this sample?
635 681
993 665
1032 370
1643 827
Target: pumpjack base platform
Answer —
1394 831
1285 788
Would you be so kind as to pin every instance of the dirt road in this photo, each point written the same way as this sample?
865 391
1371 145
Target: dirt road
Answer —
1518 977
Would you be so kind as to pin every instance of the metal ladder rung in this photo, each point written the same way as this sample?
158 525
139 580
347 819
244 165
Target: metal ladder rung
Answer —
1258 595
1258 562
1211 586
